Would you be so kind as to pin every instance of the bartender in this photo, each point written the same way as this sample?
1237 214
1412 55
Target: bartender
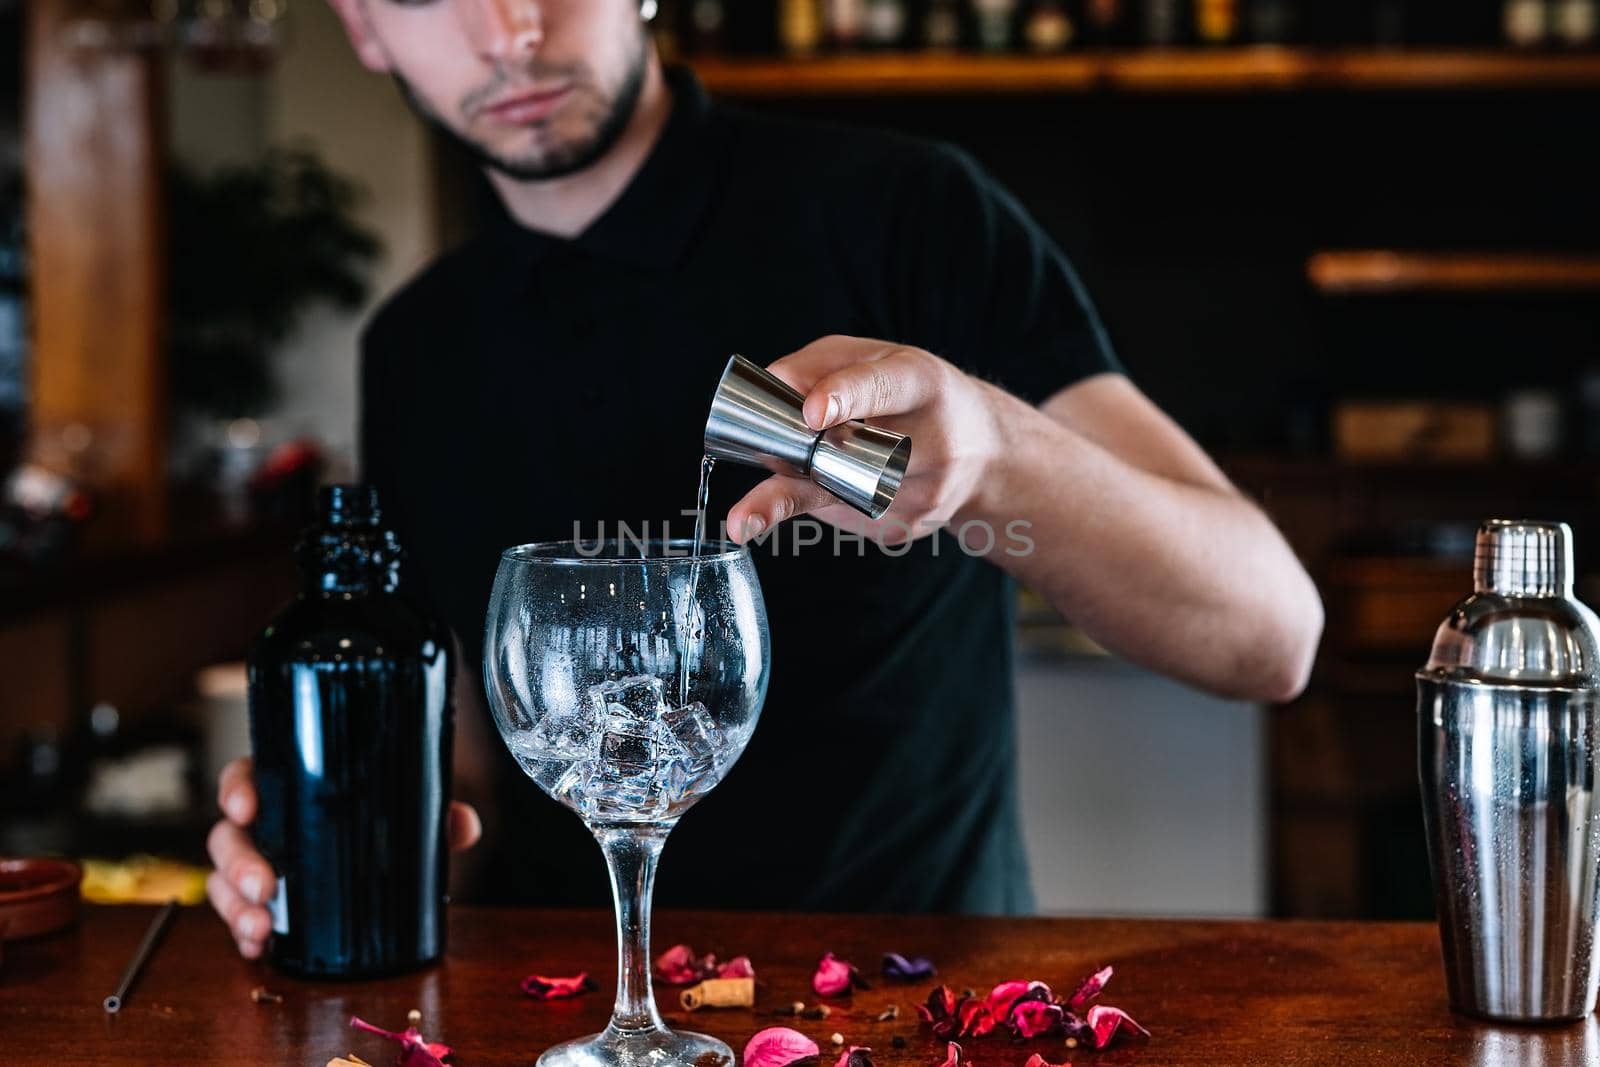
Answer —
550 379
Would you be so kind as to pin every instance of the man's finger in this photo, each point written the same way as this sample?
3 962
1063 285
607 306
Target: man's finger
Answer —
235 856
248 923
462 826
802 369
236 791
772 501
901 381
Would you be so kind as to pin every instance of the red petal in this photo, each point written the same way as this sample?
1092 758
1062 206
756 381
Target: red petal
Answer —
415 1050
680 966
953 1056
778 1046
1037 1060
1089 989
738 967
1031 1018
1002 996
539 987
975 1017
1107 1022
835 977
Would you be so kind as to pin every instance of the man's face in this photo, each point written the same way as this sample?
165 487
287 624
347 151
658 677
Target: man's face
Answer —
534 88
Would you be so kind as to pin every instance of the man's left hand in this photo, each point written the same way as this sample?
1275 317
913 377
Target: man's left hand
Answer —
949 415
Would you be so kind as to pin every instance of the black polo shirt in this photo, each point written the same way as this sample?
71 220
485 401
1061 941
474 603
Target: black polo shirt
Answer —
524 386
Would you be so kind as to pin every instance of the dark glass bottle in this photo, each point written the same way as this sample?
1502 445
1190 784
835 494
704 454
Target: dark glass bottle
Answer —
351 725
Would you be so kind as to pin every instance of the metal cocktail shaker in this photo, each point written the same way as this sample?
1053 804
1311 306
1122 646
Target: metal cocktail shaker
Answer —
1507 735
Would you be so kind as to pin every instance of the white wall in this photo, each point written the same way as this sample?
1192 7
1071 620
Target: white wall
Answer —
1140 796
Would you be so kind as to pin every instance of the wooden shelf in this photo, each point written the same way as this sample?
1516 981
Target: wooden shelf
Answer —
1388 271
1255 69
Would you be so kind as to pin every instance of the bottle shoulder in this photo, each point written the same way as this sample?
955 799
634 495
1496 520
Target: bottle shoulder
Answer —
382 625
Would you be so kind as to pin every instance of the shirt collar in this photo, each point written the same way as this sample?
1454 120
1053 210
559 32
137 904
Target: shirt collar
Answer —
652 222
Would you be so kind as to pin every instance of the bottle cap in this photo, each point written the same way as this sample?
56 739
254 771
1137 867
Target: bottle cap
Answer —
348 506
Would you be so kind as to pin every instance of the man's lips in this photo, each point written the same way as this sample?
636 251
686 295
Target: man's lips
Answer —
527 107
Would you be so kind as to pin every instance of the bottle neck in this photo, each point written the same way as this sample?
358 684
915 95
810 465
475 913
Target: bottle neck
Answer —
345 562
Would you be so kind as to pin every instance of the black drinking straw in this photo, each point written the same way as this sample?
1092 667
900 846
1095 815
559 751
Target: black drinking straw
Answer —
113 1003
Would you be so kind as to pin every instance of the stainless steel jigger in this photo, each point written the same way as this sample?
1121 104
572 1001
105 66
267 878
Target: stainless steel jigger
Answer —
1508 711
756 420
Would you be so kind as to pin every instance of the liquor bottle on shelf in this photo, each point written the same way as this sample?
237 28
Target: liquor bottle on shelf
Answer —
1162 22
1273 21
1216 22
941 25
1048 27
1524 22
1106 22
845 19
708 25
1576 23
350 727
884 23
800 26
996 22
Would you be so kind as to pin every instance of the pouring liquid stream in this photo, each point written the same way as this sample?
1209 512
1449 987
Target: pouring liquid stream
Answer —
702 498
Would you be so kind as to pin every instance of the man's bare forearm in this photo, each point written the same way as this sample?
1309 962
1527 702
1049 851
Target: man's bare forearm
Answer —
1189 579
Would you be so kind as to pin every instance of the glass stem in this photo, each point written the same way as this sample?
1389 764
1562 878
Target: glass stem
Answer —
631 855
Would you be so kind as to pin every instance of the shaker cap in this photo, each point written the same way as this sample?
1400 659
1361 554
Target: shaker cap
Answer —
1521 625
1516 557
348 506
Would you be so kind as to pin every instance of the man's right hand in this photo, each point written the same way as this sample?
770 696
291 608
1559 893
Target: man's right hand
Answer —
243 881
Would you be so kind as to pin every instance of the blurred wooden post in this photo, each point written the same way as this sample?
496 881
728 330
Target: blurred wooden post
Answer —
94 158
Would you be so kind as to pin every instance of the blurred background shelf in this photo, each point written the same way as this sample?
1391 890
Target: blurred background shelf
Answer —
1254 69
1393 271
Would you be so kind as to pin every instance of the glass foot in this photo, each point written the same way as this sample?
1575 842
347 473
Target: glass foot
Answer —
648 1048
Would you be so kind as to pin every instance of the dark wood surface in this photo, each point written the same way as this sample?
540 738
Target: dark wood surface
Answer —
1213 993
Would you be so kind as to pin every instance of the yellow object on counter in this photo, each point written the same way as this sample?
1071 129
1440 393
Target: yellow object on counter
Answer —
719 993
142 880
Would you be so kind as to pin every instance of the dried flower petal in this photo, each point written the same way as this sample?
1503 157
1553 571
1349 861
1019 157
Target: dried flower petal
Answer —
1004 998
836 977
539 987
680 966
974 1017
1089 989
738 967
901 969
779 1046
1107 1022
1034 1018
415 1050
854 1056
954 1057
1037 1060
939 1011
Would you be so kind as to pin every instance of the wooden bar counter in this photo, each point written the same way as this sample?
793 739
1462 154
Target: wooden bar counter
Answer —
1213 993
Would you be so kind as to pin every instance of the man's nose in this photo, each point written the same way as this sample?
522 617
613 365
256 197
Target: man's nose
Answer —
503 29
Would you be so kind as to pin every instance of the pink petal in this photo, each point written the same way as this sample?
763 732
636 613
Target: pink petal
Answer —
1107 1022
539 987
1002 996
680 966
1037 1060
1089 989
778 1046
953 1056
835 977
854 1056
975 1017
1031 1018
738 967
415 1050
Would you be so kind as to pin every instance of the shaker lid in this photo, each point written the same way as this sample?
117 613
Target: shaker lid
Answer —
1521 625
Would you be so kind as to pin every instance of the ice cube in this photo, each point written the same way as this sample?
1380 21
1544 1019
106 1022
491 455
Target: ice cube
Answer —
637 697
574 734
686 740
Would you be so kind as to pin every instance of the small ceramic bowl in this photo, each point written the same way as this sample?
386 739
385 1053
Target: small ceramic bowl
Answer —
37 896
